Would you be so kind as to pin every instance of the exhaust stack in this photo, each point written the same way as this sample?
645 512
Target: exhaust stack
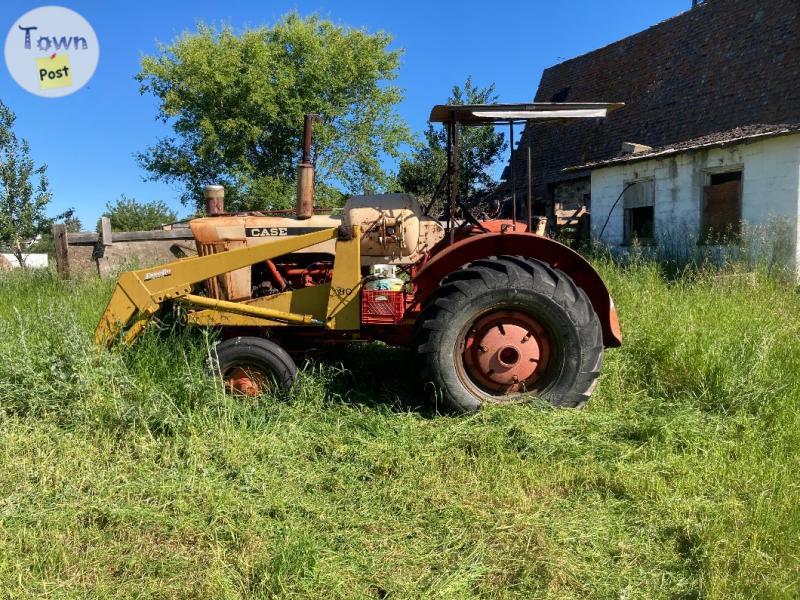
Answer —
305 173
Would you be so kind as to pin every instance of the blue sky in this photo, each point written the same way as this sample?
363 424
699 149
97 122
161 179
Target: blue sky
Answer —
88 139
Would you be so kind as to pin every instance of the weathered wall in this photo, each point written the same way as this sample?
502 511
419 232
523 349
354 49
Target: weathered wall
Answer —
723 64
571 195
32 261
104 261
142 254
93 257
770 188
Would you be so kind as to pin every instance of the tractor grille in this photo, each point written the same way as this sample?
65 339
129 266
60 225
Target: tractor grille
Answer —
215 285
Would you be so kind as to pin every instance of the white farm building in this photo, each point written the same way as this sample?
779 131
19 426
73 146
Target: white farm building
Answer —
701 191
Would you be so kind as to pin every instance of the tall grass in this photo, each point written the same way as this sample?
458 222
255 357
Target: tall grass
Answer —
766 247
130 474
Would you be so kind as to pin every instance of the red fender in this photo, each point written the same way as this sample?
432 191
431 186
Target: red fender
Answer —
532 246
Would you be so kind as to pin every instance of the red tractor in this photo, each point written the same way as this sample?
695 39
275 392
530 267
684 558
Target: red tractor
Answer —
492 311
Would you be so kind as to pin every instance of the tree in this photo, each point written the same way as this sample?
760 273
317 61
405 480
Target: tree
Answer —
126 214
480 148
23 200
72 224
236 105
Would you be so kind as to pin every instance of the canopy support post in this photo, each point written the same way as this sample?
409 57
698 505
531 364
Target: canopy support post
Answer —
530 184
454 177
513 178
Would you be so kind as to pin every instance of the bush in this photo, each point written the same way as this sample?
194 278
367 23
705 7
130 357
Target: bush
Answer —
126 214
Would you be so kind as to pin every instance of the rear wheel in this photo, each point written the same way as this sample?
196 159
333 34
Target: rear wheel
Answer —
251 366
507 329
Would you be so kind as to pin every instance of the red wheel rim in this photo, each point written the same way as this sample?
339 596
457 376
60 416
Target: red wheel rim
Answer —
506 352
246 381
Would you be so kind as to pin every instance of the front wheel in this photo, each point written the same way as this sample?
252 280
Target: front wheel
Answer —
507 329
251 366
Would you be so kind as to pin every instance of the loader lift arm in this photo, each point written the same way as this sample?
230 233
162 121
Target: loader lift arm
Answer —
139 294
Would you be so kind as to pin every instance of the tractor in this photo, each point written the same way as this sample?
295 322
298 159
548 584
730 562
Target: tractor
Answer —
493 311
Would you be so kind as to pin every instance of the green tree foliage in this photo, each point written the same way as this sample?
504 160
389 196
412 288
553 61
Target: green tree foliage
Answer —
72 224
236 104
480 149
44 242
24 191
126 214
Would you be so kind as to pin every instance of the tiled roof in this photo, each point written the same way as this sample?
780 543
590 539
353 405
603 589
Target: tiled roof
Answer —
739 135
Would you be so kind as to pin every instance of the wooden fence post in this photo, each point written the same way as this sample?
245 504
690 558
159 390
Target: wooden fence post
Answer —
105 231
62 251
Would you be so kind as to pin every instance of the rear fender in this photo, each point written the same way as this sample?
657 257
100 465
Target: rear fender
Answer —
537 247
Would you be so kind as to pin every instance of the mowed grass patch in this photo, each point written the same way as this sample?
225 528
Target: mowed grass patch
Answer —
130 474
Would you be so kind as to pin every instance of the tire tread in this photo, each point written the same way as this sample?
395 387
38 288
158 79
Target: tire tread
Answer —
500 273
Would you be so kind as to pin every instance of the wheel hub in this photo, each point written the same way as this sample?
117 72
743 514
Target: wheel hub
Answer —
506 351
244 381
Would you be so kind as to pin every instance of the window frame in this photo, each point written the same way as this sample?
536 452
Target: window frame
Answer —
708 174
627 237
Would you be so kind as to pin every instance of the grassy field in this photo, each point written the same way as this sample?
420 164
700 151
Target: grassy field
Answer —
130 474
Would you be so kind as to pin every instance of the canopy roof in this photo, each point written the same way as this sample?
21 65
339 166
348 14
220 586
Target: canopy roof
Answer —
491 114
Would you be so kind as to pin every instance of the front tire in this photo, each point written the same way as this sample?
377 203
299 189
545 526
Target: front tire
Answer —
508 329
251 366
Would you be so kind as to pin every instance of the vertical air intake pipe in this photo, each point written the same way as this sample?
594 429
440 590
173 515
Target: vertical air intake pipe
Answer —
214 196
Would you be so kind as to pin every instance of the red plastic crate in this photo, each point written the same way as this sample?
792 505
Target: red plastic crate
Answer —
381 307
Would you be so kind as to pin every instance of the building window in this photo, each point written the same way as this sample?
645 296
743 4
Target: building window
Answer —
638 205
722 207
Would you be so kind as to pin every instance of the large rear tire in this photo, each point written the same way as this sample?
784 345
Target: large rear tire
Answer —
251 366
508 329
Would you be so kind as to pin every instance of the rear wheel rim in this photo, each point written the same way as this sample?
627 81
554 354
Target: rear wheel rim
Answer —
504 353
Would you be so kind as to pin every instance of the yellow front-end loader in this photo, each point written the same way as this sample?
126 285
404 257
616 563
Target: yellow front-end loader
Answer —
139 295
